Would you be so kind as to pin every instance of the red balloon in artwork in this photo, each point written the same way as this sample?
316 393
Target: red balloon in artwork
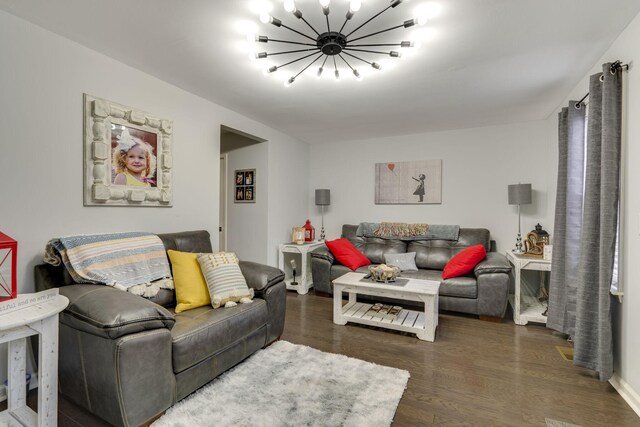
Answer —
391 166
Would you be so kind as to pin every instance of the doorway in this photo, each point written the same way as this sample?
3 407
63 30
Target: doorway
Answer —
243 225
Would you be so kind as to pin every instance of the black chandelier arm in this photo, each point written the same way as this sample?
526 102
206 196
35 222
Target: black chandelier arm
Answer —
296 60
292 42
345 23
357 57
325 61
292 51
345 61
309 65
310 26
375 45
369 20
363 50
298 32
377 32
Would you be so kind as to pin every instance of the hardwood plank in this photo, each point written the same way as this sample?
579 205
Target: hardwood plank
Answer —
475 373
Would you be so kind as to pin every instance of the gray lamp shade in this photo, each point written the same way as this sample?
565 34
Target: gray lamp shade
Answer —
323 197
520 194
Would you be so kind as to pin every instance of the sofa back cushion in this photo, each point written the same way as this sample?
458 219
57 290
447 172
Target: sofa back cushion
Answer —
373 248
435 254
430 254
187 241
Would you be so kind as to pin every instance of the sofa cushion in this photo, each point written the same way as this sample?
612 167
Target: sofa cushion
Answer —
435 254
460 287
464 262
347 254
406 262
224 278
202 332
191 288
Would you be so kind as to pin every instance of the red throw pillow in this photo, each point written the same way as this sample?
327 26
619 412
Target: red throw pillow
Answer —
464 261
347 254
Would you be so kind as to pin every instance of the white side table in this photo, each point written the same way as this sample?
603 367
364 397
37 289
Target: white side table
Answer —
299 253
526 307
16 326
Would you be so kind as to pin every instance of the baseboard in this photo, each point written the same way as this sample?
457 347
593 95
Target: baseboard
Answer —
628 394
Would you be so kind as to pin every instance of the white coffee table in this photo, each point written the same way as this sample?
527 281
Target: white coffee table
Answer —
421 323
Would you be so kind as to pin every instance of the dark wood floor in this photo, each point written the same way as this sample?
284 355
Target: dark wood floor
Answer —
476 373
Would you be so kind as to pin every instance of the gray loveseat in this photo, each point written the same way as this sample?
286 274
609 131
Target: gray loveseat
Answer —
483 292
127 359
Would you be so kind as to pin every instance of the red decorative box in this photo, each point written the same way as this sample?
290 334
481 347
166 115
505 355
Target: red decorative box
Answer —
8 262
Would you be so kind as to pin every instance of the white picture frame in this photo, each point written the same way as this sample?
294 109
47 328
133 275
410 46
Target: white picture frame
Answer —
107 128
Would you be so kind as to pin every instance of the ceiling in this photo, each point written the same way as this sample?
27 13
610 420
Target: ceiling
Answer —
483 62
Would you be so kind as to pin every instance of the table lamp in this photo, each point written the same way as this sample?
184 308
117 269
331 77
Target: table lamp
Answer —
323 198
519 194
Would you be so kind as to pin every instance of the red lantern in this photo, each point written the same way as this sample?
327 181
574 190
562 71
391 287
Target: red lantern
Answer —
309 232
8 262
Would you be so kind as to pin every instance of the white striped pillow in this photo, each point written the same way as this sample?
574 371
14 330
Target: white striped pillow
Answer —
224 278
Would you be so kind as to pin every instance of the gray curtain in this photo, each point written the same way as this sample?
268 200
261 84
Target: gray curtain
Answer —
567 226
590 323
593 347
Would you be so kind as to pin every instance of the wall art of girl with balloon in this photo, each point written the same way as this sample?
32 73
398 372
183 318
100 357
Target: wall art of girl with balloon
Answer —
414 182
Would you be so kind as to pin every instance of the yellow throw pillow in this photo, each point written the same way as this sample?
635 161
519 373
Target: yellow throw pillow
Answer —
191 288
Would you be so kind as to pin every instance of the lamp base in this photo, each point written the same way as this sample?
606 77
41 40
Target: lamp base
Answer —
322 234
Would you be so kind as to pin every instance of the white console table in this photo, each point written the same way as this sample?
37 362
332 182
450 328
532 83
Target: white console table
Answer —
526 307
300 253
37 318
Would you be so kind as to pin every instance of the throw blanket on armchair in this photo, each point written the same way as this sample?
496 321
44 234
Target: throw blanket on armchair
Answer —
127 261
399 230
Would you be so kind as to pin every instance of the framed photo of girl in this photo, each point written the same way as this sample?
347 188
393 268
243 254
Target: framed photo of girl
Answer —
127 156
245 188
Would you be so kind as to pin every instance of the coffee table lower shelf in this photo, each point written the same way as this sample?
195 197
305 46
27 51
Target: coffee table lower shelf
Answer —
407 320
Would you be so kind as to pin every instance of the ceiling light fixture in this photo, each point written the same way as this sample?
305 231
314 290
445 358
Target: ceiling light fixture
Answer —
332 43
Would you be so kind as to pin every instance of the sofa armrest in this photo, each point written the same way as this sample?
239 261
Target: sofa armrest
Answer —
324 253
260 277
111 313
494 263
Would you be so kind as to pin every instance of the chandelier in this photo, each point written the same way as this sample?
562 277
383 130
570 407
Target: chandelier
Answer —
333 46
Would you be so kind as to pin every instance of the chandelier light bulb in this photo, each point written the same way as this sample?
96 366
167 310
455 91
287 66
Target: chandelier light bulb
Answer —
324 3
289 5
319 72
253 56
357 74
395 54
337 74
289 82
421 20
375 65
265 18
251 38
355 5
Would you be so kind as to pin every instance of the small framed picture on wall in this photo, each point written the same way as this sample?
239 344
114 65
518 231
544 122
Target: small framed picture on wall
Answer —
245 186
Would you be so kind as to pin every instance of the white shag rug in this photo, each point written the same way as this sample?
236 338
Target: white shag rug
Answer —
294 385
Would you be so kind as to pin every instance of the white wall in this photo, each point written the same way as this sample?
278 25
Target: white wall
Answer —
247 222
42 80
626 315
477 166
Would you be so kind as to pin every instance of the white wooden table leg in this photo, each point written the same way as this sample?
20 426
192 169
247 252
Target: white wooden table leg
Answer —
517 296
430 319
48 373
17 390
338 318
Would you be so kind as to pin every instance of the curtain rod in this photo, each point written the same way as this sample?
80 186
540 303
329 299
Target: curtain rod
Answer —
615 66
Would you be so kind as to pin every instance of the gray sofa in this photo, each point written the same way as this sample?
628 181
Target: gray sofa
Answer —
127 359
483 292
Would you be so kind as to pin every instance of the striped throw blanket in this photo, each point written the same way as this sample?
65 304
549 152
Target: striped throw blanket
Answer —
121 260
